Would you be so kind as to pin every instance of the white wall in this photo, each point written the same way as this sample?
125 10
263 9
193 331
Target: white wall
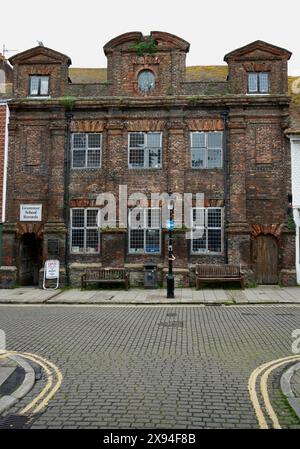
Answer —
295 155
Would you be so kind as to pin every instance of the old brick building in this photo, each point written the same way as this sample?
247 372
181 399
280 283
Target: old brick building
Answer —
154 125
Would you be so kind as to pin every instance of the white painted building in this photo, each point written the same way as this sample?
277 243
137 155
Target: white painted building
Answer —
295 161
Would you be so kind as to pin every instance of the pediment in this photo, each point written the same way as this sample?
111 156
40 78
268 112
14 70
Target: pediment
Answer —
40 54
258 50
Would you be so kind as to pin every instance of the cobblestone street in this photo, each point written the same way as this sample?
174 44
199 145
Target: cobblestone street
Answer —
154 366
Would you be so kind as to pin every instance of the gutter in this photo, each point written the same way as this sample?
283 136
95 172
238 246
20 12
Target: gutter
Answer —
5 164
226 181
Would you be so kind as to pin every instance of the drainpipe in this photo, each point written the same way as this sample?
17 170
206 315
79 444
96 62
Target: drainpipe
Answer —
226 181
67 159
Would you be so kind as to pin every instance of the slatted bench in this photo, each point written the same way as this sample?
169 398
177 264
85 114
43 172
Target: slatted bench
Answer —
219 273
105 275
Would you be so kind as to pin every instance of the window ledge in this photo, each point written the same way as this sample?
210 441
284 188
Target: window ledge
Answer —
207 168
145 168
258 94
38 97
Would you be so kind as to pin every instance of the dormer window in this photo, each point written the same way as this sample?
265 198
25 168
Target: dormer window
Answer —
146 81
39 86
258 83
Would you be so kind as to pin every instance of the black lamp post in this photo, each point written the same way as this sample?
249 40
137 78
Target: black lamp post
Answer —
170 276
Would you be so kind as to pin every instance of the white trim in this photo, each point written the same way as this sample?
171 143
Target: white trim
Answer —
84 252
205 227
36 97
5 164
145 133
144 228
86 149
221 148
295 139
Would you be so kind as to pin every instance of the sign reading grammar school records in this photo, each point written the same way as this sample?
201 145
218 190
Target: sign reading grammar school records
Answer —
30 212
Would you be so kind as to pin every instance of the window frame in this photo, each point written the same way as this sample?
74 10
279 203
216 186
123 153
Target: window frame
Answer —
145 148
138 81
86 149
84 252
144 228
206 167
206 251
258 91
39 95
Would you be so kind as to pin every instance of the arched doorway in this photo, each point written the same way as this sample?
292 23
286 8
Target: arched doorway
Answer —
265 258
30 256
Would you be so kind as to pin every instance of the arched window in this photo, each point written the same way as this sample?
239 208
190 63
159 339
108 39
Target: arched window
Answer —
146 81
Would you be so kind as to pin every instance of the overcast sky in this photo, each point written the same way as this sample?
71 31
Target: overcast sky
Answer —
213 27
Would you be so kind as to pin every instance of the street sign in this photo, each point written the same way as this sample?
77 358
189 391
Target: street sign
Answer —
51 271
170 225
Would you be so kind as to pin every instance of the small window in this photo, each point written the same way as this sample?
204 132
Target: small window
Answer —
146 81
144 150
206 149
207 230
258 83
84 231
144 231
39 86
86 150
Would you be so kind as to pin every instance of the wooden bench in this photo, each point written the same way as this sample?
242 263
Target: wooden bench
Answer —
219 273
105 275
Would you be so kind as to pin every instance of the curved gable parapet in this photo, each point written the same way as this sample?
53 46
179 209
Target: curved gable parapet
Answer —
258 46
125 38
170 41
45 53
165 41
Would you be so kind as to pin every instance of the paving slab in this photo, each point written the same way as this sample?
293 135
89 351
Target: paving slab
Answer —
259 295
26 295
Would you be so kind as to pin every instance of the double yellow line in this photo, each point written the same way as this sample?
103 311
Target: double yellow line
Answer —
264 371
54 381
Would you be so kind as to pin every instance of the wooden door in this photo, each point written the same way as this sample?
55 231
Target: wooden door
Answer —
29 260
266 259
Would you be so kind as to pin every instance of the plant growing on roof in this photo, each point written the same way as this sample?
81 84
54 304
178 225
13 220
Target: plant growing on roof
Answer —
68 102
145 45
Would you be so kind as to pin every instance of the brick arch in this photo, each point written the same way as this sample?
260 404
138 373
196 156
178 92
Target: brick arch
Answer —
87 126
144 125
30 228
260 229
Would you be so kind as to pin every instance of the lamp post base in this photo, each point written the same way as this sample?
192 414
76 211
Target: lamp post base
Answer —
170 286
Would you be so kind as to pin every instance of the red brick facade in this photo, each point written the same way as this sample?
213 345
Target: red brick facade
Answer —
252 185
5 93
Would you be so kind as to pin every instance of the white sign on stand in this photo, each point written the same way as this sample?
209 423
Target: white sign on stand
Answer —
51 271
